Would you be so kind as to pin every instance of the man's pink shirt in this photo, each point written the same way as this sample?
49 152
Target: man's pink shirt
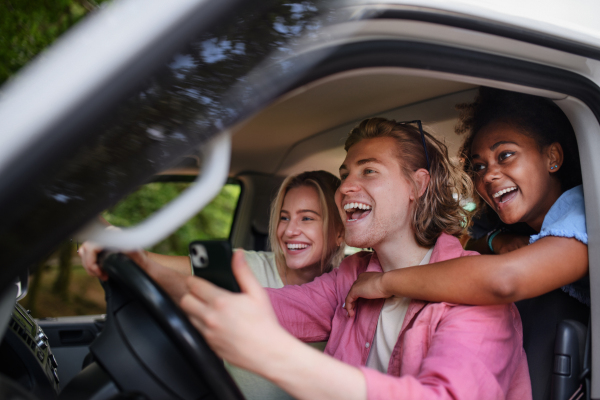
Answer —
444 351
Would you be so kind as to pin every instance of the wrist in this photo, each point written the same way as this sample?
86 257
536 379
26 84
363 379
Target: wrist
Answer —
383 285
281 357
490 238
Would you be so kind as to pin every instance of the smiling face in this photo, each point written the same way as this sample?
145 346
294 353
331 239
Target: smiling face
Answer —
300 228
374 198
513 175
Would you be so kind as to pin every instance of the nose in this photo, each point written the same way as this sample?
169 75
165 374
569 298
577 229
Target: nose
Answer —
349 185
492 173
293 228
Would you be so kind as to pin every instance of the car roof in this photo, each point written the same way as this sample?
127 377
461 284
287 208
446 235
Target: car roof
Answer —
567 20
306 129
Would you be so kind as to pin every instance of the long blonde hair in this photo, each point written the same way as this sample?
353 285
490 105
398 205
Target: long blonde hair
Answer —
325 185
438 209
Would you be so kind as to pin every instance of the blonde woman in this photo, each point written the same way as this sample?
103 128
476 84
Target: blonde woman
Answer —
305 232
306 235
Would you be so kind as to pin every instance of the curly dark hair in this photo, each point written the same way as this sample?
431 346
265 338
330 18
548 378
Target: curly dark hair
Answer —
537 117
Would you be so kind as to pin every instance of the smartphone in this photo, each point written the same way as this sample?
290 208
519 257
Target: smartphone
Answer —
211 260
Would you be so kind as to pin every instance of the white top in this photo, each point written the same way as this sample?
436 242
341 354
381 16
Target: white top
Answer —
252 386
388 328
262 264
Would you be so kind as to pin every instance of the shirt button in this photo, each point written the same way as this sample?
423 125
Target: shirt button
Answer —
367 345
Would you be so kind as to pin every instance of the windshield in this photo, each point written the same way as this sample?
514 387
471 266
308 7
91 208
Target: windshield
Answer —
197 93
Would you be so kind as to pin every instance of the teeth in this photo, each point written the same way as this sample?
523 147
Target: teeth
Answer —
503 191
296 246
360 206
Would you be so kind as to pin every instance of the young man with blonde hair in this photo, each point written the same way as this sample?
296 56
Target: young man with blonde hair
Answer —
397 197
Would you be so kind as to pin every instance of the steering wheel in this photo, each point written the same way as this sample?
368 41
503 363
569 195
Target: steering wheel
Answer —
149 346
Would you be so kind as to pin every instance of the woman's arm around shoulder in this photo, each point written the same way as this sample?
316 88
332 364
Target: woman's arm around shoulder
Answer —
530 271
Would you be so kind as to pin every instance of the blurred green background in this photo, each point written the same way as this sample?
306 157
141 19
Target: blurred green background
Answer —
213 222
29 26
59 286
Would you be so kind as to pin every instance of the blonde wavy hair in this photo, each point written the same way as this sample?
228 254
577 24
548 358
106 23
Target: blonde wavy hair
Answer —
439 208
325 185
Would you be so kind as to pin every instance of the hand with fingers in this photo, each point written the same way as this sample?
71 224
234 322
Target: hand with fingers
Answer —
507 242
170 280
240 327
88 252
368 285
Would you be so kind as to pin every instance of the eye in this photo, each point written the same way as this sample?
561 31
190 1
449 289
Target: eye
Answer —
477 168
343 176
505 154
368 171
284 218
307 219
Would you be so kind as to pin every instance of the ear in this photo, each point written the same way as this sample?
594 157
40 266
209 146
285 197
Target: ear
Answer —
340 237
555 156
421 178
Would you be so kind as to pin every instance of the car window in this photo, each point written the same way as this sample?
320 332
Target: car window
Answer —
213 222
59 286
91 161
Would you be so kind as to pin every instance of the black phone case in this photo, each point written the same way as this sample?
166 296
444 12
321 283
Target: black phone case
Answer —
211 260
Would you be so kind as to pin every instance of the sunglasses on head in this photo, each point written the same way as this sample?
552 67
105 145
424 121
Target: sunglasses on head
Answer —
418 122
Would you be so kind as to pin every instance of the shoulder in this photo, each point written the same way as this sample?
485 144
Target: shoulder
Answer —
351 267
448 247
357 260
570 203
504 318
566 217
264 268
258 259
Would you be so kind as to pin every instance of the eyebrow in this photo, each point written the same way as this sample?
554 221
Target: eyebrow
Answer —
495 146
302 211
361 162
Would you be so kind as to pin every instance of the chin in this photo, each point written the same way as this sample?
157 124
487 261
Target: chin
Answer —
297 264
509 219
358 241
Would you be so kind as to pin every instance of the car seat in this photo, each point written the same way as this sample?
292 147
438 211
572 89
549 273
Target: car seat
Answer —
571 370
541 317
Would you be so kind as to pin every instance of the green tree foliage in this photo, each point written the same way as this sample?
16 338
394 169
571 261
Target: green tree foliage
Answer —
213 222
29 26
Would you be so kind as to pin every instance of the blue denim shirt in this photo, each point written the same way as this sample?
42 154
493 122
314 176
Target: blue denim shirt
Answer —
566 218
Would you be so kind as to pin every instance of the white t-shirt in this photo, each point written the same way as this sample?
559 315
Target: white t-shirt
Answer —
388 328
252 386
262 264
